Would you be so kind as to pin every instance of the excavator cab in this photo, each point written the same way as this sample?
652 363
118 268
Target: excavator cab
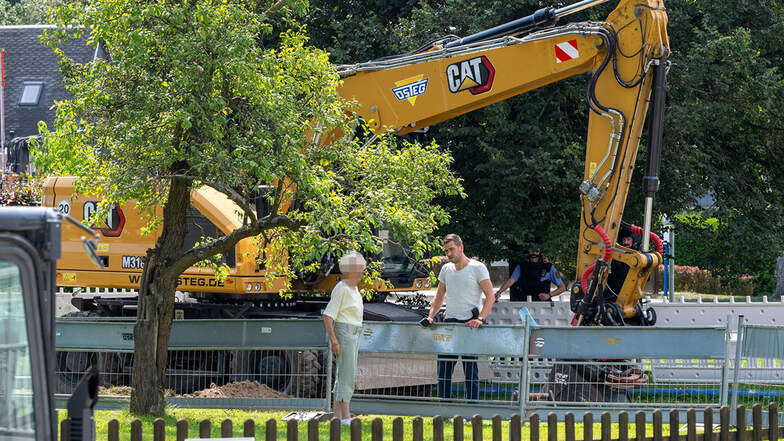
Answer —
29 247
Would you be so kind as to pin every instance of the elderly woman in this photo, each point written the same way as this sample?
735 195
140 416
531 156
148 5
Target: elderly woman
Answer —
343 321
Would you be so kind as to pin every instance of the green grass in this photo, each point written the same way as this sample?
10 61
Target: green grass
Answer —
238 417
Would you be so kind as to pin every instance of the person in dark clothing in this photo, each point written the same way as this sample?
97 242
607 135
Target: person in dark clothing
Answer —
618 269
531 280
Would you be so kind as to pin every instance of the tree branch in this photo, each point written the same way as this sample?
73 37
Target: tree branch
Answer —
225 189
225 243
275 7
234 196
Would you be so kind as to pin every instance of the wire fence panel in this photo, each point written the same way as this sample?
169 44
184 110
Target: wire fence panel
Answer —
229 363
623 383
601 368
446 369
443 369
760 370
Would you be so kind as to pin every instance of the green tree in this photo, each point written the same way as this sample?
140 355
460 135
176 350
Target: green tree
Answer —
27 12
194 93
725 137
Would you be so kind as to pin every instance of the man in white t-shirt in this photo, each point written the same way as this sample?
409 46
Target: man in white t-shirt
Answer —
462 281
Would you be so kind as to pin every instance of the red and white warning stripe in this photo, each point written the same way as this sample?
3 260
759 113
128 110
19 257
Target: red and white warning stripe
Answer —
566 51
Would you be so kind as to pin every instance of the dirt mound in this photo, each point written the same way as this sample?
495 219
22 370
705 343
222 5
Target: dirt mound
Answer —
124 391
240 389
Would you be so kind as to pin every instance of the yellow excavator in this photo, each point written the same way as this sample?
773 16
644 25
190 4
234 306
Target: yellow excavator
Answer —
627 55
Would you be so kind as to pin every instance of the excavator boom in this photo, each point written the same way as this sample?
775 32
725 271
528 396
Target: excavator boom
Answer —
413 91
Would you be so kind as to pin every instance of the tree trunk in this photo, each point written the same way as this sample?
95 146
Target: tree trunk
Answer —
156 306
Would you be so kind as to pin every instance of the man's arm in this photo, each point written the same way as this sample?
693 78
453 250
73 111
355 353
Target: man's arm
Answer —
552 276
504 287
487 288
511 281
438 301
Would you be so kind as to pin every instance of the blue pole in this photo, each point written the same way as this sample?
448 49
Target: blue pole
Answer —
666 268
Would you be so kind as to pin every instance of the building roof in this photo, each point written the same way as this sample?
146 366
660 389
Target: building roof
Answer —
30 62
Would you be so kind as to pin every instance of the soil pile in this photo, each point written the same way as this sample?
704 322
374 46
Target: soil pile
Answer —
240 389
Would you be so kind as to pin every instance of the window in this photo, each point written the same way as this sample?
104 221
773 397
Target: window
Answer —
16 391
31 93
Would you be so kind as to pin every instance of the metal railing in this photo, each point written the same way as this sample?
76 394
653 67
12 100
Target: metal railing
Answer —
442 370
758 371
287 364
212 363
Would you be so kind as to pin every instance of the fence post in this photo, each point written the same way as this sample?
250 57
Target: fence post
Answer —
606 426
438 428
552 427
516 428
588 426
725 370
691 425
476 427
249 429
675 424
707 424
271 431
523 384
740 421
569 427
533 427
205 427
313 432
458 428
397 429
736 371
113 430
159 429
623 426
292 430
756 422
639 425
182 429
377 430
417 429
496 428
658 427
136 430
334 429
773 421
724 419
356 429
227 428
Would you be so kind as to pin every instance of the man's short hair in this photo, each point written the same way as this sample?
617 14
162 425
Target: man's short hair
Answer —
453 238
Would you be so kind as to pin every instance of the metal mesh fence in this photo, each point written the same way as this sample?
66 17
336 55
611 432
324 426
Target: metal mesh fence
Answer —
759 374
271 373
433 378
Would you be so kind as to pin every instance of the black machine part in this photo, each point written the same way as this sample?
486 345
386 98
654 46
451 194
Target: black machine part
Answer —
81 405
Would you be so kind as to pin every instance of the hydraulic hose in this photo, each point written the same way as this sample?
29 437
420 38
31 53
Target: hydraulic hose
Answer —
606 239
654 237
588 271
585 277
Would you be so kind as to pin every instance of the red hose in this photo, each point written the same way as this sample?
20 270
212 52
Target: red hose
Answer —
607 245
584 278
654 237
589 270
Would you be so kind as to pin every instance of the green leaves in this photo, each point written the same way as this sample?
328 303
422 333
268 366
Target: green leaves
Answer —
194 90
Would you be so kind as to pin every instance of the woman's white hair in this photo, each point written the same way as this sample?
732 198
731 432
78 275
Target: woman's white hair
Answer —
351 258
